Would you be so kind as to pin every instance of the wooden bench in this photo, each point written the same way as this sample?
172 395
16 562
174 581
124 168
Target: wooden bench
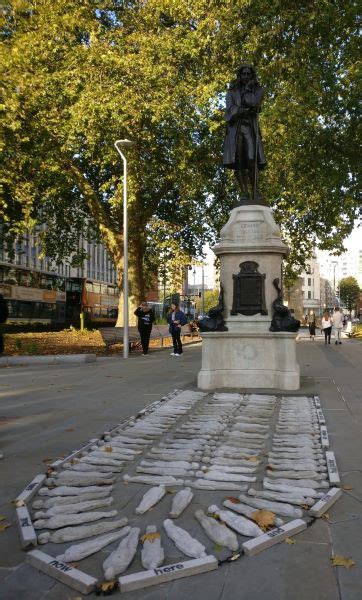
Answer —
114 335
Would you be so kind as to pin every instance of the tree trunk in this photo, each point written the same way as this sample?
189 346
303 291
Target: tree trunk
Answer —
113 240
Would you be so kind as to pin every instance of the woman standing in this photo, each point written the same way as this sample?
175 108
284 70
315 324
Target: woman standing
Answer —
327 327
145 317
312 327
176 318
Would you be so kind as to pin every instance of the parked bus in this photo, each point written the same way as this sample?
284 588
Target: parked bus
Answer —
36 297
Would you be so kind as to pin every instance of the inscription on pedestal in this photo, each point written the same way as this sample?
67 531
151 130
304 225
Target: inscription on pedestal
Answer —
250 231
249 290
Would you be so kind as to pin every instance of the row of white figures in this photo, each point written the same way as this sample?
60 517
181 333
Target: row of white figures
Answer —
180 455
231 455
152 554
126 443
219 530
296 464
237 457
213 421
166 463
84 484
239 427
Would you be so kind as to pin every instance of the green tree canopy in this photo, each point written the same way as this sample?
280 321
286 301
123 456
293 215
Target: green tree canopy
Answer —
349 292
79 75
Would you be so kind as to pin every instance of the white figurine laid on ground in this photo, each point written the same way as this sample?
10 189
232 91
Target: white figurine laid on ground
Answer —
297 466
116 457
77 507
290 497
239 523
179 464
61 500
80 479
244 509
217 532
150 498
204 484
214 475
180 501
118 561
229 469
101 460
152 554
276 474
66 490
290 489
80 551
183 540
110 448
298 482
72 519
285 510
85 468
173 471
153 479
68 534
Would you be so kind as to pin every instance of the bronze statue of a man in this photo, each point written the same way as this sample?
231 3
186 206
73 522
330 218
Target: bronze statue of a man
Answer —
243 148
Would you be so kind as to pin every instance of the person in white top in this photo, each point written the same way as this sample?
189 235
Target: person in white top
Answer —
337 324
327 327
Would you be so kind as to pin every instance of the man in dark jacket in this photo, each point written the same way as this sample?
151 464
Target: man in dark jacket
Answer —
3 316
145 317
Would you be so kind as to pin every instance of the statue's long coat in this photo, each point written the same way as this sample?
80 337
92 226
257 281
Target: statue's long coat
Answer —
240 98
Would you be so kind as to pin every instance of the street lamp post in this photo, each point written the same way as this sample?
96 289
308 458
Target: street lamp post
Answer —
127 144
194 274
202 291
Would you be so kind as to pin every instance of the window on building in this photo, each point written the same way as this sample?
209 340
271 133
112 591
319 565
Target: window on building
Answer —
309 295
309 281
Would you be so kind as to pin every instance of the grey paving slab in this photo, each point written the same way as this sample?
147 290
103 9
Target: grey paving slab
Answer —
284 572
347 542
26 582
48 412
209 585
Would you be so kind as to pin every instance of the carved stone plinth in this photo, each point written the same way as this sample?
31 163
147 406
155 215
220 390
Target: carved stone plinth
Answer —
248 355
248 360
250 235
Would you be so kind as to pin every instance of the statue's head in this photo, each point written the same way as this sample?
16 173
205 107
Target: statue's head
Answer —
246 73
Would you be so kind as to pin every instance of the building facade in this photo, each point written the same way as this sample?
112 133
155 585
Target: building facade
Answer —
27 255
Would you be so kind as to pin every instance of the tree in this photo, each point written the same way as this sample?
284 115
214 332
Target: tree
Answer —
85 77
349 292
78 75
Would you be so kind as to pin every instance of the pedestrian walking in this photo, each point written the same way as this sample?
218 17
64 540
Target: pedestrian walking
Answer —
4 313
327 327
176 318
312 326
337 324
146 317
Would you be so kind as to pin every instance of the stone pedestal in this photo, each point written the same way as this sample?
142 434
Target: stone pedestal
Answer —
248 360
248 355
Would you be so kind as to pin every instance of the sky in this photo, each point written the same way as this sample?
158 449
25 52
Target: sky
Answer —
354 241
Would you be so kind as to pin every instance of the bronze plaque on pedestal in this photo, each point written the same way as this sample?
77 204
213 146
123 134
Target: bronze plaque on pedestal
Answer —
249 290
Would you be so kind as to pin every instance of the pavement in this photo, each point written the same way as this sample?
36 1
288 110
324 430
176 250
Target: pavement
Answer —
45 412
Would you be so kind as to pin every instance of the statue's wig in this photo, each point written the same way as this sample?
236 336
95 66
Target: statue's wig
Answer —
253 72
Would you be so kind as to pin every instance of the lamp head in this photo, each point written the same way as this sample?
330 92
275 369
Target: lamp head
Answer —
127 143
